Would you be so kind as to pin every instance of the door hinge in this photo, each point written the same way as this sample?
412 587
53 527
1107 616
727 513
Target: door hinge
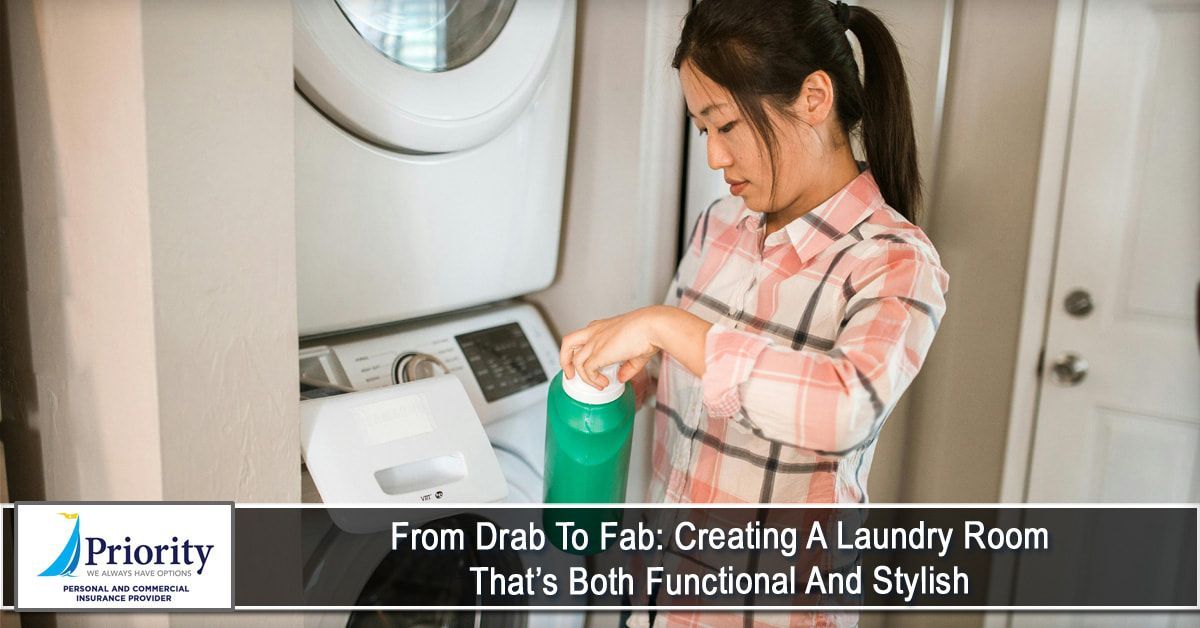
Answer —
1041 363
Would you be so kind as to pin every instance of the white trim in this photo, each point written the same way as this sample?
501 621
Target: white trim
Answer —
1039 273
939 99
661 151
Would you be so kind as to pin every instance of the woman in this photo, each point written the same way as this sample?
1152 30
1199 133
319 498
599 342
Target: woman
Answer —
806 301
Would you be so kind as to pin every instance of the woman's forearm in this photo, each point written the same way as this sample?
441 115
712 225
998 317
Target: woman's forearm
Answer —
681 335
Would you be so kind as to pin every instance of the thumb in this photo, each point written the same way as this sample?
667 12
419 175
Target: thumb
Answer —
631 367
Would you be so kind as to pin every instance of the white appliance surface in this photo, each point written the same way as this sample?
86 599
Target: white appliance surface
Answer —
418 442
503 356
425 192
515 423
382 96
390 224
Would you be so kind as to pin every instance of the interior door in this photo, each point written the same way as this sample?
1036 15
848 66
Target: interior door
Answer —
1121 421
1119 408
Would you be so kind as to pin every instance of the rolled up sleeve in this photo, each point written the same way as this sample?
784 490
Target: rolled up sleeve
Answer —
834 401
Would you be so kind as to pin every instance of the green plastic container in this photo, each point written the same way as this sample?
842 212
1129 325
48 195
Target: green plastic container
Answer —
588 437
588 434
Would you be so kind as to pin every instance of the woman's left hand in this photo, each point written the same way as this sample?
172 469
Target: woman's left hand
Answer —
629 339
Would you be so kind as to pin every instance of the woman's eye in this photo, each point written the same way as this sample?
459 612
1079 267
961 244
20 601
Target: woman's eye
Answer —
721 129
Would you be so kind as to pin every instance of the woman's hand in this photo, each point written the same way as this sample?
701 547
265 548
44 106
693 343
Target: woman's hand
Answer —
629 339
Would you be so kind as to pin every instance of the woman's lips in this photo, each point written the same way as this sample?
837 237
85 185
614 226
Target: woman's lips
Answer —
736 187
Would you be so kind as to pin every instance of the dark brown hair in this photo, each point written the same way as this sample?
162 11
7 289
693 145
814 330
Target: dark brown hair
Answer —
762 50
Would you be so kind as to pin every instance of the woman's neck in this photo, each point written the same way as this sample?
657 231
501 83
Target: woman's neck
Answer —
841 171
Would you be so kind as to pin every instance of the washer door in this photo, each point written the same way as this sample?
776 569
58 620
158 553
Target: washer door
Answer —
423 76
443 579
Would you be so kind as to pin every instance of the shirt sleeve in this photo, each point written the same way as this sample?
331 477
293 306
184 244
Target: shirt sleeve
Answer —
833 402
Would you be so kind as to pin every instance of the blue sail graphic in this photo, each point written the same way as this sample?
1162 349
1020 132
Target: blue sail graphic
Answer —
68 559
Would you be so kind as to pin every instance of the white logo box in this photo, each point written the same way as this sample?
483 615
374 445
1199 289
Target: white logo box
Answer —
179 556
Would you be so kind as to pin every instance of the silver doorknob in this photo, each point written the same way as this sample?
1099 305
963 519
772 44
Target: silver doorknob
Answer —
1069 369
1078 303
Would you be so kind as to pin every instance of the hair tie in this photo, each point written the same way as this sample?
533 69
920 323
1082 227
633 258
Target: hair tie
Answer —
842 12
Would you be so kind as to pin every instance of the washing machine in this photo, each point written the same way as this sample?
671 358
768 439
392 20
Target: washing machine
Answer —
502 355
431 147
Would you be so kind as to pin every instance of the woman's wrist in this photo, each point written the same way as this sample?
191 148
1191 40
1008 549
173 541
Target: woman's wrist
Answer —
663 320
679 334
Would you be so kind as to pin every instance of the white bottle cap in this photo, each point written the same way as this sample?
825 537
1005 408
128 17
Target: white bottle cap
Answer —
584 392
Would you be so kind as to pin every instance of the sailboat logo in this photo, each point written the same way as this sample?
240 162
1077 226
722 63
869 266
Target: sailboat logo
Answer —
68 558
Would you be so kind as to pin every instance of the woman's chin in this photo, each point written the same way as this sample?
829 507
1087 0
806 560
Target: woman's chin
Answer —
758 205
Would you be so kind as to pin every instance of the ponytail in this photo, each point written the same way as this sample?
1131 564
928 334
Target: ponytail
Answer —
763 50
887 126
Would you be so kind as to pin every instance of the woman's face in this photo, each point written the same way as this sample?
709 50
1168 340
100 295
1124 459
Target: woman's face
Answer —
735 148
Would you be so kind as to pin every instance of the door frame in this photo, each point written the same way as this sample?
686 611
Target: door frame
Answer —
1057 126
1043 248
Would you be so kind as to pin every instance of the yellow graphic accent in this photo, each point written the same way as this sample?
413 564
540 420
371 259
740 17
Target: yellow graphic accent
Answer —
70 515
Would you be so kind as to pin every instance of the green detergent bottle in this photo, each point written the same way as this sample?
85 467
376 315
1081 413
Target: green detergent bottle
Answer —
588 437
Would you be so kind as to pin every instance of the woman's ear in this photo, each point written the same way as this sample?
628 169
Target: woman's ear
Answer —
815 102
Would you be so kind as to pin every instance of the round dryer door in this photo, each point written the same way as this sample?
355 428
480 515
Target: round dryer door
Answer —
424 76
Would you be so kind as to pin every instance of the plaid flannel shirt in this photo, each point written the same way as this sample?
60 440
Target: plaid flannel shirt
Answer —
818 328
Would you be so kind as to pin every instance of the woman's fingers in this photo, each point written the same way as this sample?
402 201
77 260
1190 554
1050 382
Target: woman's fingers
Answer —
631 367
579 362
593 365
603 342
571 344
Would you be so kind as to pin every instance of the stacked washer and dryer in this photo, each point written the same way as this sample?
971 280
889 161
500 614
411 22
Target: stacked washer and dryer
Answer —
431 143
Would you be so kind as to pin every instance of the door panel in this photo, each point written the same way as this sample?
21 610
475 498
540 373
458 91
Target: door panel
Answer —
1121 422
1128 237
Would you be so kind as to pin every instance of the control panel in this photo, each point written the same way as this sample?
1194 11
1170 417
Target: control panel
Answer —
504 356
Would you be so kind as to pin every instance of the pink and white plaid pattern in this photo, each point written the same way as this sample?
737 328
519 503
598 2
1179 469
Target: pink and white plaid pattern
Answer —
817 331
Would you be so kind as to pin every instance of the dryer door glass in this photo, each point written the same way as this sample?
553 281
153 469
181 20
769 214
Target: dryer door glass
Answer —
428 35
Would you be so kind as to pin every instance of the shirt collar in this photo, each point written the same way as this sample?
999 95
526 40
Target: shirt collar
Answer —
826 223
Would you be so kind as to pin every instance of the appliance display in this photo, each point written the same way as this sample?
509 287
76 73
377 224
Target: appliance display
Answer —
501 360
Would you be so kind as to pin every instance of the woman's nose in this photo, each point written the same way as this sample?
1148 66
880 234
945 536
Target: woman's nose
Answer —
718 154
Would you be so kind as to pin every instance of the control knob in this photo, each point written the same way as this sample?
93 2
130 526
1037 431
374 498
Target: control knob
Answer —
410 367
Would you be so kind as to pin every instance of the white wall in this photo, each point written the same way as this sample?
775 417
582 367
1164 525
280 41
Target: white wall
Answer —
148 324
81 398
155 214
620 218
620 222
218 78
980 217
981 209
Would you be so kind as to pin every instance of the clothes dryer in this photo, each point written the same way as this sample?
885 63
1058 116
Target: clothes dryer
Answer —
431 142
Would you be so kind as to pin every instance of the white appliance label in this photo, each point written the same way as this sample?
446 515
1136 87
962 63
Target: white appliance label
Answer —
124 556
394 419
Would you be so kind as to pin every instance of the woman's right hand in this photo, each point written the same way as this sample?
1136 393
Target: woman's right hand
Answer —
627 340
